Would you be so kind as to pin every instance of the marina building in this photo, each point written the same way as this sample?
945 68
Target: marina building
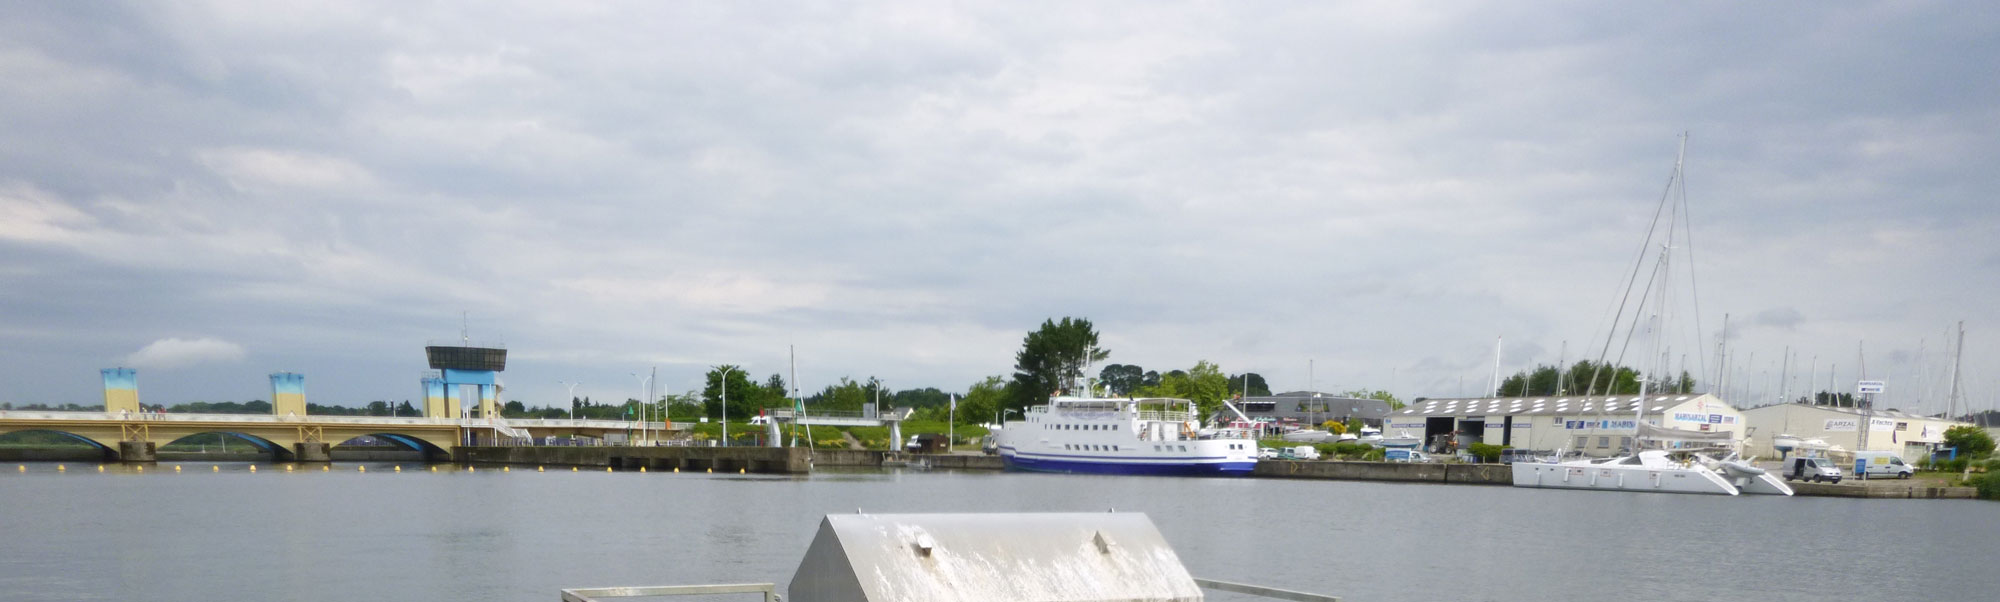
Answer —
1908 435
1308 408
1596 426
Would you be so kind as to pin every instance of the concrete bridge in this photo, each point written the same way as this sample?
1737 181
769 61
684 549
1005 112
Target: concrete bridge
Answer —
137 436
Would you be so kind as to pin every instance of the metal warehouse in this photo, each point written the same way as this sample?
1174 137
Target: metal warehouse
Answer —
1595 426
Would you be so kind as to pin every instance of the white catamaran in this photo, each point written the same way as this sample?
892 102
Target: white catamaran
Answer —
1681 461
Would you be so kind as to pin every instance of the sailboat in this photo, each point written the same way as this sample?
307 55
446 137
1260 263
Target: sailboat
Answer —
1674 467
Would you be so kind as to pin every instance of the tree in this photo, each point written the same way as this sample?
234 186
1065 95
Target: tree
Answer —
1258 388
743 394
983 400
1971 441
1205 385
1053 357
1123 379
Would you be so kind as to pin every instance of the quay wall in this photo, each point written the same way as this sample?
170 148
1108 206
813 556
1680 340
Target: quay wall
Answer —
1895 490
1417 472
875 458
775 460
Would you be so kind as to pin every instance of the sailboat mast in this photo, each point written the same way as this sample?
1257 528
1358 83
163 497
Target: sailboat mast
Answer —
1496 366
1951 401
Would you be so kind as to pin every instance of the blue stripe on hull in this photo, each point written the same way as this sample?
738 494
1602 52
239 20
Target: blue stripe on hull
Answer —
1132 468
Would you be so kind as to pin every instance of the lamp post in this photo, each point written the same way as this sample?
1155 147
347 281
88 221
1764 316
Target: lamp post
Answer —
725 404
641 410
572 397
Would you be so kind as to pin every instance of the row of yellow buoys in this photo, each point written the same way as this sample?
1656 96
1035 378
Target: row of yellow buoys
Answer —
329 468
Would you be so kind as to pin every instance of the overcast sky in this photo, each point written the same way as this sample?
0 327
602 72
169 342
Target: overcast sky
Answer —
210 192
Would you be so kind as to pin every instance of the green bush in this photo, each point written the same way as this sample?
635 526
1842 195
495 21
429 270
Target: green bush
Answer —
1375 454
1989 486
1486 452
1349 449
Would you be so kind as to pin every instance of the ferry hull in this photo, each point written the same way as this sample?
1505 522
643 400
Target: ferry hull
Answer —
1163 467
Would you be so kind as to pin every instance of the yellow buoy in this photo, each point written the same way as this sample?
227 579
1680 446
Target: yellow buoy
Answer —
641 469
326 468
141 467
506 469
607 469
677 469
711 470
61 468
399 468
177 469
24 467
215 468
739 471
100 468
253 468
288 468
434 469
472 469
538 469
361 469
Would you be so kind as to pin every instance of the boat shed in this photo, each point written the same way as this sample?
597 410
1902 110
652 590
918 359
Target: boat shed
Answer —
1307 408
1908 435
1596 426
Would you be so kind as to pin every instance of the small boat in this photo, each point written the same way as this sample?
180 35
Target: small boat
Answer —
1402 439
1308 436
1785 443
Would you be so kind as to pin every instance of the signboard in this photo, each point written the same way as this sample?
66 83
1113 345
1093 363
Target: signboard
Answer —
1868 386
1600 424
1842 425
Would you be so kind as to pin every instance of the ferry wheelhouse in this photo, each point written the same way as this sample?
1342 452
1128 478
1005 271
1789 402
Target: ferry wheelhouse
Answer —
1124 436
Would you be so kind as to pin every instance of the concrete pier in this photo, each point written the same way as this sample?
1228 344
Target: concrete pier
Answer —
312 452
137 451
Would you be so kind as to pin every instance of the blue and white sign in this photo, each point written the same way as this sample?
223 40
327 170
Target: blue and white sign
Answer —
1868 386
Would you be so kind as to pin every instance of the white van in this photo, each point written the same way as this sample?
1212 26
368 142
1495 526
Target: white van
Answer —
1882 464
1303 452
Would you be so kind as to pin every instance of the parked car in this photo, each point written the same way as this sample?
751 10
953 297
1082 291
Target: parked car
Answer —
1812 469
990 444
1882 464
1268 453
1302 452
1405 455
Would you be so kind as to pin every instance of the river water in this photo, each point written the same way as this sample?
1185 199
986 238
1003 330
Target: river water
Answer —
489 535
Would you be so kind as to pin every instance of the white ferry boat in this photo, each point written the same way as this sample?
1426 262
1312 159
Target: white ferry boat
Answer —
1123 436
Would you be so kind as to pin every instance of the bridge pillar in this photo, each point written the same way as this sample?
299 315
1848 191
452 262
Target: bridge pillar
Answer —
137 451
312 451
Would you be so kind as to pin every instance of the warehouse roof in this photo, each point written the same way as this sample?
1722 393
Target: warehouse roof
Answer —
1887 413
1548 405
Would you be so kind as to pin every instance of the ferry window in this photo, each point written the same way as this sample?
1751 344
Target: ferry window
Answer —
1183 448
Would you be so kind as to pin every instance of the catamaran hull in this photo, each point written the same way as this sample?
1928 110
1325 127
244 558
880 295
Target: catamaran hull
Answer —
1081 464
1763 484
1610 477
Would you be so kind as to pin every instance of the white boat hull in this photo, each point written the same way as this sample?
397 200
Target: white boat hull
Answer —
1617 477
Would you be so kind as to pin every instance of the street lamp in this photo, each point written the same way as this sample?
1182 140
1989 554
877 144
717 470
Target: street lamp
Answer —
572 397
725 404
643 382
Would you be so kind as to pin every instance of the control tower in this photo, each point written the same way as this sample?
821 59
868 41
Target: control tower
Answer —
463 365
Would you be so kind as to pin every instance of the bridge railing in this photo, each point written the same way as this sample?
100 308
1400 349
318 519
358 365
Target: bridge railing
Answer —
358 420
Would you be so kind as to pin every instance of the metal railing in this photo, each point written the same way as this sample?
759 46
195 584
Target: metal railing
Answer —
367 420
769 590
